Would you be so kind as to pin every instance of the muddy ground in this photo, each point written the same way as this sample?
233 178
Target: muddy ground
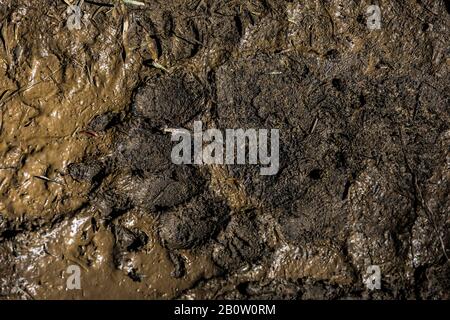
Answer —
85 171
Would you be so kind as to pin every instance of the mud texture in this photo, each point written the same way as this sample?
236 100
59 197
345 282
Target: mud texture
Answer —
86 177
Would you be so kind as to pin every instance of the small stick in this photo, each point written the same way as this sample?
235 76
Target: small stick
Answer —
46 179
314 126
159 66
137 3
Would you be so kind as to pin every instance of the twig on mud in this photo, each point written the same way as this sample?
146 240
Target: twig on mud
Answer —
154 64
159 66
100 4
190 41
110 5
3 95
137 3
125 26
314 126
89 132
47 179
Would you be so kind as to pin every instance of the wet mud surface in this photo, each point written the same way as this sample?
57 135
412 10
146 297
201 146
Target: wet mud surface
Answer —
86 176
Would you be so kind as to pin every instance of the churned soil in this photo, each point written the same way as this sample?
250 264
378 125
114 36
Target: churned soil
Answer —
86 176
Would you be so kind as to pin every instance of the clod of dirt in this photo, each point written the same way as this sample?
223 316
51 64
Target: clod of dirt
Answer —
103 121
129 240
240 243
170 100
84 171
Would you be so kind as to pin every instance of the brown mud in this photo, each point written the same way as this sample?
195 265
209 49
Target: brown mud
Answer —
86 177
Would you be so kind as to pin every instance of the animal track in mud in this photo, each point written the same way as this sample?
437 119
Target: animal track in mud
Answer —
139 173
